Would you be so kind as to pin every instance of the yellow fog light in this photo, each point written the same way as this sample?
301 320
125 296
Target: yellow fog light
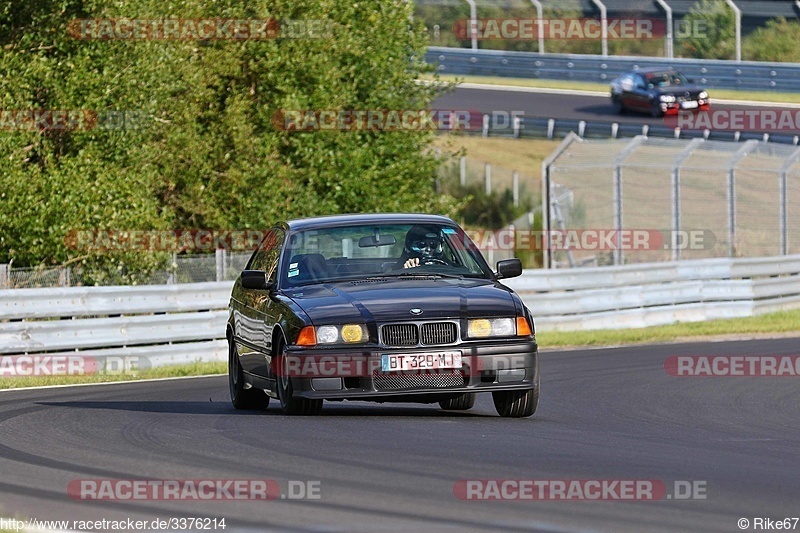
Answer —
352 333
479 328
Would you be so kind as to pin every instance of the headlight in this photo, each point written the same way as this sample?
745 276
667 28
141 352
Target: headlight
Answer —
491 327
667 98
327 334
348 333
703 95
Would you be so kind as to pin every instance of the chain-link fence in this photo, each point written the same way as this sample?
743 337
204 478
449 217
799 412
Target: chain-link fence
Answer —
642 200
195 268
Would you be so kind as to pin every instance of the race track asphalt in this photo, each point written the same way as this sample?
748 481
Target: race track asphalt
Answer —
606 414
548 105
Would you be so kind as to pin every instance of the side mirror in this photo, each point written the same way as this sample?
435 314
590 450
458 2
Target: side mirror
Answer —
256 279
509 268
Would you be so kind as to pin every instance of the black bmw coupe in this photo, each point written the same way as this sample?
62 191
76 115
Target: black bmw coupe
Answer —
657 91
378 307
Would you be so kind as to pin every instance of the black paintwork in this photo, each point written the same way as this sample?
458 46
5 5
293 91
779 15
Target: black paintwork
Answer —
262 318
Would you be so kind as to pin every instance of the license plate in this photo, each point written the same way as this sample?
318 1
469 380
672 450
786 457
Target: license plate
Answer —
426 361
689 105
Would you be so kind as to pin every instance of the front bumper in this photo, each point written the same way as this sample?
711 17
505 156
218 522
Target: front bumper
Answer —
674 108
347 374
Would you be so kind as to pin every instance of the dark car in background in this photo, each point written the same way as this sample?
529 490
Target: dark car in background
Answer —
379 307
657 91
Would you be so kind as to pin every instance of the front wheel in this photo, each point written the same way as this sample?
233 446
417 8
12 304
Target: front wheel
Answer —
516 403
289 404
242 398
462 402
619 108
655 109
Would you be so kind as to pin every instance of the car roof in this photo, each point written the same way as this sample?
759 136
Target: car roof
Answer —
367 218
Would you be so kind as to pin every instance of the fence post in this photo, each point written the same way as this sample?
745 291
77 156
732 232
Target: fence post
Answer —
617 201
463 171
4 276
617 193
172 277
738 13
219 254
539 10
473 24
784 221
488 178
603 25
783 200
547 201
64 277
515 188
670 39
740 153
676 194
676 212
485 125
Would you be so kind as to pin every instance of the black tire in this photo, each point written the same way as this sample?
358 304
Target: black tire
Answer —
289 404
516 403
655 109
459 403
619 108
242 398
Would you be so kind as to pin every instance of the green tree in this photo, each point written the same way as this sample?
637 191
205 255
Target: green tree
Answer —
775 42
208 155
711 31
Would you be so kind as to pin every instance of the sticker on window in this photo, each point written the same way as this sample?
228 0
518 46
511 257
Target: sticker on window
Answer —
449 231
293 272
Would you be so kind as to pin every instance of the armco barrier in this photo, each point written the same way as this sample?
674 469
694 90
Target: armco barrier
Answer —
641 295
167 324
558 128
184 323
711 73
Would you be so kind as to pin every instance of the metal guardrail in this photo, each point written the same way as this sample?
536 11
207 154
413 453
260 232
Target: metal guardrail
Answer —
631 296
158 325
74 302
552 128
604 297
711 73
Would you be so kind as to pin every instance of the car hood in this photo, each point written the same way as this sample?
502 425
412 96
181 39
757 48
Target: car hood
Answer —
693 90
391 300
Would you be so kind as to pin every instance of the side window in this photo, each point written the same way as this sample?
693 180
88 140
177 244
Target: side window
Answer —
268 253
639 81
626 82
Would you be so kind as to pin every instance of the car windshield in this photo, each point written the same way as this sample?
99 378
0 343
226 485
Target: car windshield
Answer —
378 251
666 79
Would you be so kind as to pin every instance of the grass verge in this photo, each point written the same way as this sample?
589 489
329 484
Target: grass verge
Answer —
524 155
776 323
722 94
193 369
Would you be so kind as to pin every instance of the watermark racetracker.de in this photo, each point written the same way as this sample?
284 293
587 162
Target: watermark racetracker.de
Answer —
193 489
732 365
200 29
579 29
579 489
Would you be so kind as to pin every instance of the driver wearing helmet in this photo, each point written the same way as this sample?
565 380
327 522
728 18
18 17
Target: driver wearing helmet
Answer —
423 246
